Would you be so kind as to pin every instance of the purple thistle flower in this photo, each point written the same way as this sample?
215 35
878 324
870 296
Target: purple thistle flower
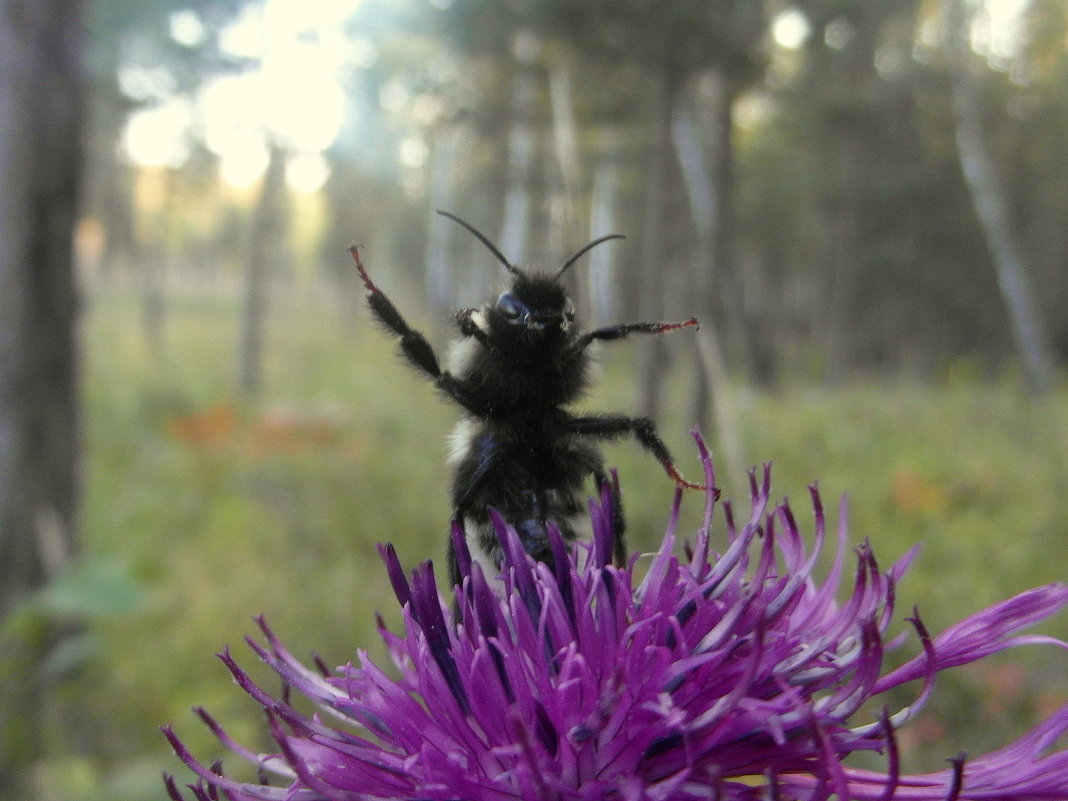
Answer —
725 676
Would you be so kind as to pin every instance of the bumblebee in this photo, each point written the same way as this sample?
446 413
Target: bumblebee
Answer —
518 362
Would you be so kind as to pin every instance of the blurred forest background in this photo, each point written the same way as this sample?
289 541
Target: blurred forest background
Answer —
864 201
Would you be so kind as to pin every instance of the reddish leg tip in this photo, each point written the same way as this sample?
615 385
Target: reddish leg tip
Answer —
685 483
674 326
367 282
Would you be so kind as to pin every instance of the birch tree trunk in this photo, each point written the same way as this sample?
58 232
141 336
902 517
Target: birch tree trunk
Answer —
567 188
602 275
989 200
515 228
708 190
440 274
652 355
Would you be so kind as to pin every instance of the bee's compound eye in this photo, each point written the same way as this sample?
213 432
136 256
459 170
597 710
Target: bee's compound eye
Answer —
509 305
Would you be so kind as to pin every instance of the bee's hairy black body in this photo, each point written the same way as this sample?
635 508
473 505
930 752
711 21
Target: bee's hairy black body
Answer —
519 360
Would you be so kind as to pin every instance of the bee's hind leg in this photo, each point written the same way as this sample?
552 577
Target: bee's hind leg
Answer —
610 426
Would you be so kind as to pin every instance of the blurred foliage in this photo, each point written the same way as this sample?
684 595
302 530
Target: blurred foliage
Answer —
855 243
202 513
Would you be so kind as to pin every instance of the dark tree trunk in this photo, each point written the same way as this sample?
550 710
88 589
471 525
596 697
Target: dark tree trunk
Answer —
41 94
40 162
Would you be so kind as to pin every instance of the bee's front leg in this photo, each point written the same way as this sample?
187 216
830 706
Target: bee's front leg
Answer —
625 329
414 345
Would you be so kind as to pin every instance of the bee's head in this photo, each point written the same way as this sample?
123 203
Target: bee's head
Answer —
535 307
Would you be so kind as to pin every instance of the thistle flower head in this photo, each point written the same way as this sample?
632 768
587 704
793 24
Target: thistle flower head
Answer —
732 675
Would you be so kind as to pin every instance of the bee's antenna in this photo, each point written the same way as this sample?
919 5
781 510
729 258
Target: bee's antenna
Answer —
482 238
581 251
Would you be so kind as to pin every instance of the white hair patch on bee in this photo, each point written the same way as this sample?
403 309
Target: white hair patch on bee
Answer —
459 441
491 568
463 350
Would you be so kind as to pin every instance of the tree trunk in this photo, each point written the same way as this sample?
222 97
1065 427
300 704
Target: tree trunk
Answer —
603 273
990 207
40 162
440 269
110 190
567 225
652 355
709 192
154 257
515 228
41 107
840 351
268 222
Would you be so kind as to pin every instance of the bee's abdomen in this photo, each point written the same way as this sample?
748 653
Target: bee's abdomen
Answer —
530 476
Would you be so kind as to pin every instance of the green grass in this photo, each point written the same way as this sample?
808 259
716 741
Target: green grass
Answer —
218 510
